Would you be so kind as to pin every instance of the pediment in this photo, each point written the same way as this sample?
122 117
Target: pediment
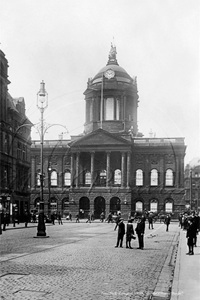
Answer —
101 139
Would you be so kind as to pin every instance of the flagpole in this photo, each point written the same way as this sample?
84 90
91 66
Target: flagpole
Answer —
101 101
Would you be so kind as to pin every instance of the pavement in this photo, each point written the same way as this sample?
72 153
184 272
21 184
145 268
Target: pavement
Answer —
185 282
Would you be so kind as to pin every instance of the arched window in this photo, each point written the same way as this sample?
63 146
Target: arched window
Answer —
154 177
54 178
87 177
154 205
139 206
169 177
103 178
67 178
139 177
117 176
168 206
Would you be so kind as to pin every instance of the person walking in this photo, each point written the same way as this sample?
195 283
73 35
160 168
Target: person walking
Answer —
102 216
150 220
140 230
88 218
77 218
190 235
121 233
26 218
129 234
167 222
53 218
60 219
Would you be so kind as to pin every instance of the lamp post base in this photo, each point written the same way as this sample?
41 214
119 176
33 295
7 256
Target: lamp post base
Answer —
41 226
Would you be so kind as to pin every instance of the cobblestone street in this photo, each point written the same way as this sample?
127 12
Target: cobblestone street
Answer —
79 261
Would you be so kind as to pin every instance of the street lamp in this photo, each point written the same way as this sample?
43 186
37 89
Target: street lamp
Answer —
49 185
42 104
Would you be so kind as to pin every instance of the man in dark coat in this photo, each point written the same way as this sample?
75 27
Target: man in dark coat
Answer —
167 222
140 229
150 220
190 235
121 233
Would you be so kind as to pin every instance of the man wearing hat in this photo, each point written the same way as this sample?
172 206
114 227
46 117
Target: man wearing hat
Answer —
121 233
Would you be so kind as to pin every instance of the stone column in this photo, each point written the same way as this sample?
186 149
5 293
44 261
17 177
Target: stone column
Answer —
128 169
77 168
108 169
92 168
123 168
72 169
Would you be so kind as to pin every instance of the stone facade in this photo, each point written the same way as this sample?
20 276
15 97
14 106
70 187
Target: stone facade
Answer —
111 166
15 145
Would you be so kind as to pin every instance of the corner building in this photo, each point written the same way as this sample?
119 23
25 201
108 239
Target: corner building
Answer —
15 145
111 166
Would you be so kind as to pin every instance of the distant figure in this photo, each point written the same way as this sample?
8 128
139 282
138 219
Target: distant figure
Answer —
77 218
60 219
121 233
129 234
53 218
167 222
88 218
140 229
102 216
26 218
109 218
70 216
150 220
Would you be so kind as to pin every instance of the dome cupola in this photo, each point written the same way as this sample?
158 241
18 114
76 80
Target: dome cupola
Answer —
111 99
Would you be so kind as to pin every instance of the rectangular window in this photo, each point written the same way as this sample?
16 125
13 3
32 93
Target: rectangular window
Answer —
109 109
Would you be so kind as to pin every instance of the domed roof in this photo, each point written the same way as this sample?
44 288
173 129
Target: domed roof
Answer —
114 70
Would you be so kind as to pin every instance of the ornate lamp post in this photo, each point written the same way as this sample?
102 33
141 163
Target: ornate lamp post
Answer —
42 104
49 186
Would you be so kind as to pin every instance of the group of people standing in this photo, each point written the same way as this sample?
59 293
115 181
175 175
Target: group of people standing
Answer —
129 231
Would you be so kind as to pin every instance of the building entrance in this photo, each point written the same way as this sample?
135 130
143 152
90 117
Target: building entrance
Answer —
99 207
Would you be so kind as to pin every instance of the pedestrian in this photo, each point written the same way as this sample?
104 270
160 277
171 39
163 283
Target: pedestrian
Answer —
26 218
150 220
77 218
109 218
121 233
129 234
60 219
92 216
117 220
102 216
167 221
140 230
53 218
88 218
190 235
70 216
3 220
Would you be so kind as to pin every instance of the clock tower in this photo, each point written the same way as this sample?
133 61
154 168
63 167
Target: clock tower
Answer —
111 100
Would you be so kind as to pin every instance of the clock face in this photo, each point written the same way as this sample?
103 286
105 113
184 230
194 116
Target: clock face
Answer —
109 73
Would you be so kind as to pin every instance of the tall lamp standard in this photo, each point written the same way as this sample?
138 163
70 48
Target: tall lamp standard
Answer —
42 104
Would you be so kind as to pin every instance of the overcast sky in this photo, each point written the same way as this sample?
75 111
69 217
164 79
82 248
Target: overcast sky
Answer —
64 42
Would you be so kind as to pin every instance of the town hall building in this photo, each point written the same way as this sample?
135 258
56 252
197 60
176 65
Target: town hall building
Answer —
110 167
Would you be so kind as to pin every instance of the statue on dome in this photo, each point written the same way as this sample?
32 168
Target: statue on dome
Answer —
113 52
